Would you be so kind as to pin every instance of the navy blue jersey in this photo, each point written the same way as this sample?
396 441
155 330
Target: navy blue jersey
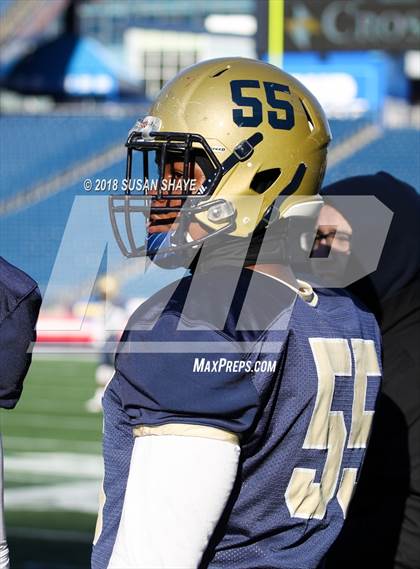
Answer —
295 376
20 301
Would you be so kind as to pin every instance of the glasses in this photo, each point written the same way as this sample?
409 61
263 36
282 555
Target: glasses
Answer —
337 240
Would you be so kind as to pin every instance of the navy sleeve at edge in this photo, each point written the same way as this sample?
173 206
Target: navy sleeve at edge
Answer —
17 331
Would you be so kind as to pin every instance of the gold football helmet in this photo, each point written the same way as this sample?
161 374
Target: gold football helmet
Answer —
259 136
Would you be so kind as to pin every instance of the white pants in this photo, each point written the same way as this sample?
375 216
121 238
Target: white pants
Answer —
4 551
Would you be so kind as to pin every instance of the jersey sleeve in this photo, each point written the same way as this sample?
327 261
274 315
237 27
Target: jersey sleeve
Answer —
194 376
17 331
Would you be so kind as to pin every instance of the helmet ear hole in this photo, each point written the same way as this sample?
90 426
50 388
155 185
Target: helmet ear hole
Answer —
262 181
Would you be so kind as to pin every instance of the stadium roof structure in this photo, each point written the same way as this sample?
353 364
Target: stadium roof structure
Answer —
23 25
68 67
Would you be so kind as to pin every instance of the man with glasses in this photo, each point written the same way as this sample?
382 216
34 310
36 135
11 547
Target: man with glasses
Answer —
383 524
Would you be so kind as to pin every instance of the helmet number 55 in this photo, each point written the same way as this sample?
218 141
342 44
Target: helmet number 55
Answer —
284 122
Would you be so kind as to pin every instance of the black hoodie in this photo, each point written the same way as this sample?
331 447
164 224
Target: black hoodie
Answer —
383 525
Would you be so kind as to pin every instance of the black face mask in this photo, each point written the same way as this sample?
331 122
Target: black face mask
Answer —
261 247
333 272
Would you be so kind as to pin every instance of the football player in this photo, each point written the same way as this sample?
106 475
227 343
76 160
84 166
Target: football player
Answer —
237 420
19 307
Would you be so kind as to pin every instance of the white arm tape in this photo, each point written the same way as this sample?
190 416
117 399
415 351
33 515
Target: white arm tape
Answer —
177 489
4 551
4 555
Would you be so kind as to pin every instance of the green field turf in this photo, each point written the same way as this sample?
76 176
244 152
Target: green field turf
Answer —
53 467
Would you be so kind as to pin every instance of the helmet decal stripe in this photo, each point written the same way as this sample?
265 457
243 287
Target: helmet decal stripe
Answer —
295 182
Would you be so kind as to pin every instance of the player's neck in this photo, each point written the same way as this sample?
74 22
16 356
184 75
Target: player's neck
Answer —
281 272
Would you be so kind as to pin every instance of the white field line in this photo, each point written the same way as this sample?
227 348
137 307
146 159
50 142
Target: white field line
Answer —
55 463
69 497
11 443
55 422
80 495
